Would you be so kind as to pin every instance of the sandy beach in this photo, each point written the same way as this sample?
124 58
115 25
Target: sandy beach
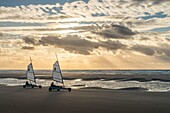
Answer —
19 100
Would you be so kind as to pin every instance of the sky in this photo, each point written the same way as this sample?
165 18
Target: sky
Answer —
85 34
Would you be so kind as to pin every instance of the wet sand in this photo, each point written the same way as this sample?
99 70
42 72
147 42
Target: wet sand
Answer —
19 100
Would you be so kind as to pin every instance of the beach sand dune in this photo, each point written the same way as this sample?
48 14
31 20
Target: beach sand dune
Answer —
19 100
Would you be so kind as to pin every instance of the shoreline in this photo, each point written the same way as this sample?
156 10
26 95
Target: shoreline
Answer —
128 89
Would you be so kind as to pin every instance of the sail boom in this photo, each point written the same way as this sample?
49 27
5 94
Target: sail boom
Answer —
58 80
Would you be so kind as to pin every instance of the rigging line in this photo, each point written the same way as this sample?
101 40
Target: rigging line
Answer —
30 60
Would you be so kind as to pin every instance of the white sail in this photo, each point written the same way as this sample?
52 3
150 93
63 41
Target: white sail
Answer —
56 73
30 73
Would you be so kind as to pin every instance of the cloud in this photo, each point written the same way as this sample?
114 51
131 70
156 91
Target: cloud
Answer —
81 9
112 45
147 44
75 44
1 34
143 49
71 43
150 0
115 31
160 50
32 12
112 11
45 29
28 48
30 40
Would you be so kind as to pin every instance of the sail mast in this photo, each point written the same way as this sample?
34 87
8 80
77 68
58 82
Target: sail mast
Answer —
32 70
56 56
30 60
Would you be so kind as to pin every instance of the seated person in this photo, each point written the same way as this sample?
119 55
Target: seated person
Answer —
52 84
27 83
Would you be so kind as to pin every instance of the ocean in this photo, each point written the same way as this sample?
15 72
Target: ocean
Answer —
148 80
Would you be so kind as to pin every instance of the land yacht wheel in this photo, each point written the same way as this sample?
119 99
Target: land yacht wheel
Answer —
69 89
58 89
24 86
40 86
50 89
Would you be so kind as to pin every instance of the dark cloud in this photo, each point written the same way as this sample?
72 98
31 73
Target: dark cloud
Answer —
78 45
115 31
71 43
75 44
144 38
30 40
168 39
59 17
136 22
1 33
123 30
107 31
112 45
143 49
28 47
161 50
